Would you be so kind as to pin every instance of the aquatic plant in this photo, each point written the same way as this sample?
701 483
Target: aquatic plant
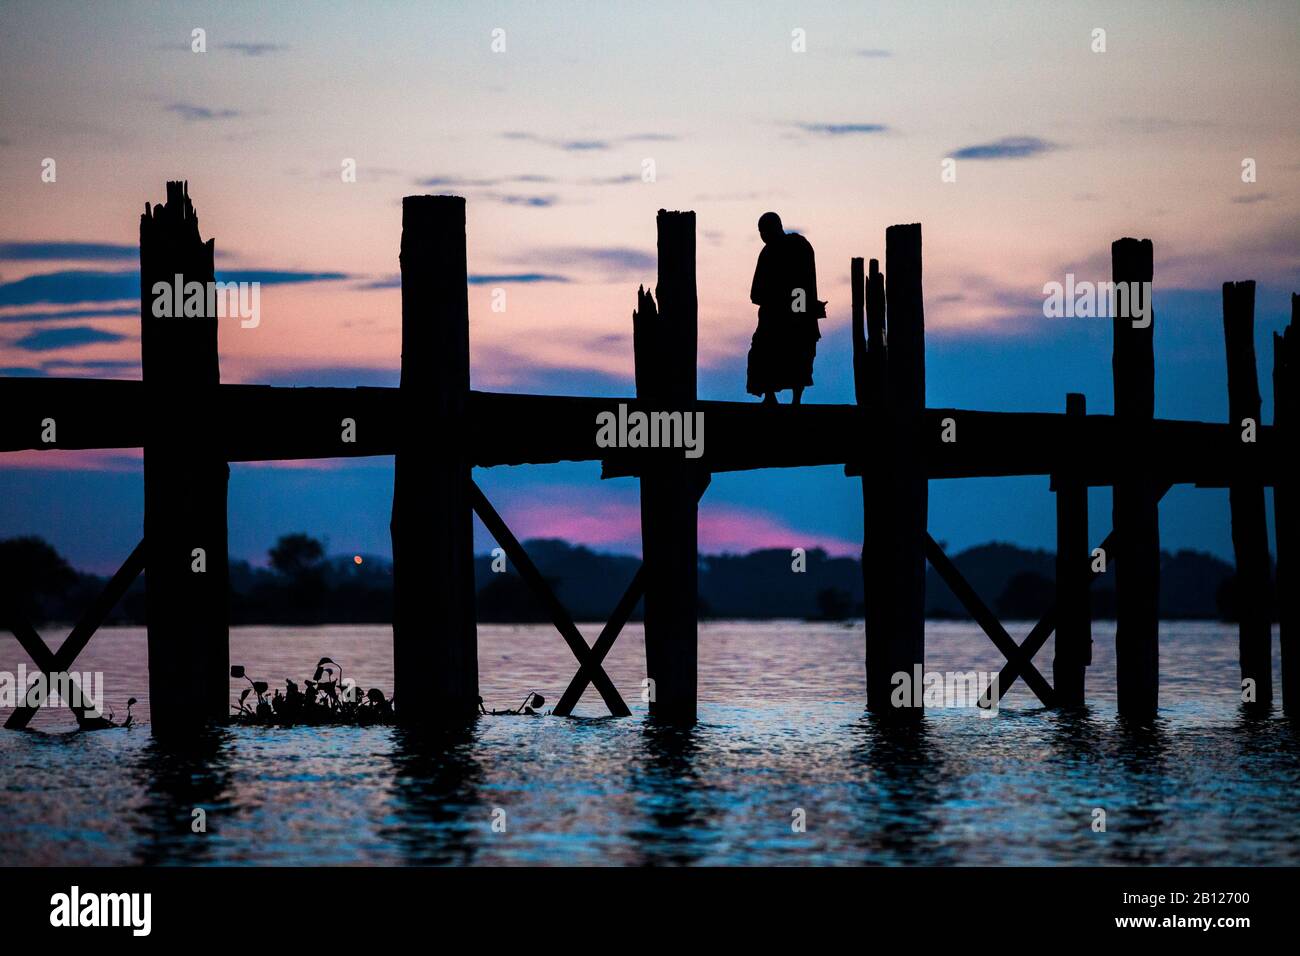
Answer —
104 723
533 703
321 700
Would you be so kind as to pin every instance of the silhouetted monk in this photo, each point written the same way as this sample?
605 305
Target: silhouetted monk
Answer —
785 291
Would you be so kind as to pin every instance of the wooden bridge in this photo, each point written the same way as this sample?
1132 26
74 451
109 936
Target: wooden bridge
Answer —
438 428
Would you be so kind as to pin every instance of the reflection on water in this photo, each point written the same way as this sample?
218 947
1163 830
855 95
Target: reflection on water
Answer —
672 825
435 794
782 737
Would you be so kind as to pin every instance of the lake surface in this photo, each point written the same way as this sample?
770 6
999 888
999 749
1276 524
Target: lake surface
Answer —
782 729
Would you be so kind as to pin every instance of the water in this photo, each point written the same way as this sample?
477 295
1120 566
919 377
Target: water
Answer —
781 729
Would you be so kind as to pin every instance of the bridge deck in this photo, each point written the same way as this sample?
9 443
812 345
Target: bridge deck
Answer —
262 422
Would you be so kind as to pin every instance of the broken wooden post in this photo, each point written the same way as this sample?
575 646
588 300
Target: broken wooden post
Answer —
1254 603
1285 415
858 287
435 635
876 366
895 502
664 345
1136 503
185 481
1073 574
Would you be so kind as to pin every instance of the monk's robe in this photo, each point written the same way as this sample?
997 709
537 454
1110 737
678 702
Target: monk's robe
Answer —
785 290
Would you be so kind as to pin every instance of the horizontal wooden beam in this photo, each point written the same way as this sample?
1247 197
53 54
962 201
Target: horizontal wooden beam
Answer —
263 423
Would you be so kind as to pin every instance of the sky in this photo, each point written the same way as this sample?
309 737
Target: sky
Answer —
546 117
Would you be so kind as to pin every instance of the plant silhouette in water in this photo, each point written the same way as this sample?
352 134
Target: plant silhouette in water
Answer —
320 701
104 723
530 707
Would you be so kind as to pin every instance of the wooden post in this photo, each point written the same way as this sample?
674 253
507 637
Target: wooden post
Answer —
664 343
876 365
1073 577
869 384
895 501
1136 502
186 555
1246 499
1285 415
435 636
858 286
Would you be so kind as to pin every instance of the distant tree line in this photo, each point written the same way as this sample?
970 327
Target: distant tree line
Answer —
301 584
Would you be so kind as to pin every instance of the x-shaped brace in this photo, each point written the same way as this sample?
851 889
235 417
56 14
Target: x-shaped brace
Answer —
1034 641
590 658
590 663
1014 653
50 663
559 614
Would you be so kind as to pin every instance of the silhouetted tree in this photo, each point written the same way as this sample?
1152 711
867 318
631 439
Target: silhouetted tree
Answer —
297 555
508 598
301 559
32 575
1027 596
834 604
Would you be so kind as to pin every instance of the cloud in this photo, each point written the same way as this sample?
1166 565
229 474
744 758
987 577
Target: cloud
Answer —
62 288
475 278
569 145
67 287
46 340
842 129
464 182
279 276
506 278
338 376
73 368
1251 198
611 518
57 250
494 194
191 113
874 53
1009 147
386 282
254 49
69 314
610 180
518 199
590 144
611 261
99 365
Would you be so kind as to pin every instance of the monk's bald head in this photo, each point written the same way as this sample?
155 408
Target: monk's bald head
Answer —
769 227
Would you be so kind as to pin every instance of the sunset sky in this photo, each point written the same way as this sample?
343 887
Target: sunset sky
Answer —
1058 150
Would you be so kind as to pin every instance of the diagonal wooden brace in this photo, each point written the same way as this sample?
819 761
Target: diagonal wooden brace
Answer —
559 614
43 658
610 632
988 622
1033 643
52 663
604 641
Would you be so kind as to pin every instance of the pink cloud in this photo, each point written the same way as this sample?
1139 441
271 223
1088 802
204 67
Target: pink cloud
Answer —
615 524
739 529
79 459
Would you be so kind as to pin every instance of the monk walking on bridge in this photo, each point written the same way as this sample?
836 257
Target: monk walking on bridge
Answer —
785 291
